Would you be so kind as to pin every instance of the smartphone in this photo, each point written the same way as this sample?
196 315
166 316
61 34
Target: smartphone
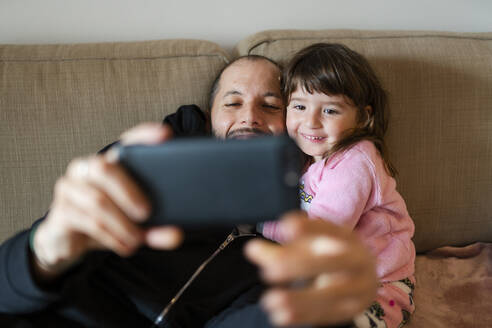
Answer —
207 181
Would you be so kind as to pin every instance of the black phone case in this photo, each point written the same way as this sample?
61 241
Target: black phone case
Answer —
208 181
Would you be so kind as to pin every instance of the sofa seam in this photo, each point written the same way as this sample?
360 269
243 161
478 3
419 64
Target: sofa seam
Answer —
365 38
108 58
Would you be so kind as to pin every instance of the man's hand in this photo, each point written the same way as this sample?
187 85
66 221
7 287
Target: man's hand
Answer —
322 275
96 205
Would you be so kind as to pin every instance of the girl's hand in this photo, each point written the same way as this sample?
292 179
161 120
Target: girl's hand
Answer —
322 275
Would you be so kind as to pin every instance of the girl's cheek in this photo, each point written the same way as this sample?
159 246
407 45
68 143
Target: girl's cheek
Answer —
290 124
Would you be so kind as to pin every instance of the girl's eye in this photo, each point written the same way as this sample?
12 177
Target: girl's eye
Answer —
232 104
329 111
299 107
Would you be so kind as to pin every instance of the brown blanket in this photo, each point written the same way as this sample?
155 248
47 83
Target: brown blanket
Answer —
454 287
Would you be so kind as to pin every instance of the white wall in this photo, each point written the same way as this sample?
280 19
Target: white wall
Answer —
225 22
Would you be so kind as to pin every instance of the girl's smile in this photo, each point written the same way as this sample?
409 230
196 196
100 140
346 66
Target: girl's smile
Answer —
316 139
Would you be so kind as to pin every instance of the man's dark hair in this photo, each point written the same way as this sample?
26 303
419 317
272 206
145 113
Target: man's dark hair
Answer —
215 84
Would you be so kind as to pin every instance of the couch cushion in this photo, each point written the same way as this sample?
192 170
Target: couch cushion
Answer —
440 134
62 101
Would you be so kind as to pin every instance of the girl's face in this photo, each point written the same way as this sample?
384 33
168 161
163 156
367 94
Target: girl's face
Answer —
318 121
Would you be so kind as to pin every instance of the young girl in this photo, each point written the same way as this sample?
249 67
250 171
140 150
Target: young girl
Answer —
337 115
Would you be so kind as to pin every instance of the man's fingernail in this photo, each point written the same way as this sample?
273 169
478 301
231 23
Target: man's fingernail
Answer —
326 246
112 155
323 280
252 247
280 317
163 238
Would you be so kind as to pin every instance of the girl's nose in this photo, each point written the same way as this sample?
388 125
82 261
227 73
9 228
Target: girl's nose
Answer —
312 119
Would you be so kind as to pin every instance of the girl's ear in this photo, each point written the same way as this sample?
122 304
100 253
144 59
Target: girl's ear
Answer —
368 123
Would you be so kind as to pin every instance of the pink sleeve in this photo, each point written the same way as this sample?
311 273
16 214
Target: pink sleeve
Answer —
346 190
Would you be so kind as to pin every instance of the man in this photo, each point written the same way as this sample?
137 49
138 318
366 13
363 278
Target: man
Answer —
49 274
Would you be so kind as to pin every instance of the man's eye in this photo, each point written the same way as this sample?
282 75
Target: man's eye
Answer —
330 111
271 106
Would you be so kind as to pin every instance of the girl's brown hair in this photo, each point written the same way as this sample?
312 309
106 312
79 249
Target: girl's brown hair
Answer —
334 69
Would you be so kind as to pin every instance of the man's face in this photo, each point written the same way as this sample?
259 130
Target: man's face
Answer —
248 102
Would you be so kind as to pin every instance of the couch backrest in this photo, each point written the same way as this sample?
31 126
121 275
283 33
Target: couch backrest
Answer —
440 133
62 101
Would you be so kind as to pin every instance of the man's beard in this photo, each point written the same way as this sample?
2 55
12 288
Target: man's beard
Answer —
246 133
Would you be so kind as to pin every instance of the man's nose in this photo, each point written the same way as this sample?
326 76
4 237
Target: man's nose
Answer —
251 115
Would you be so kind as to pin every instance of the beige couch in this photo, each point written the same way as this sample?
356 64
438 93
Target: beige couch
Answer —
62 101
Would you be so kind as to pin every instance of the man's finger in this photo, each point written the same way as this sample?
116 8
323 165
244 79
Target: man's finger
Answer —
306 294
96 203
114 181
297 224
303 259
311 306
147 133
84 228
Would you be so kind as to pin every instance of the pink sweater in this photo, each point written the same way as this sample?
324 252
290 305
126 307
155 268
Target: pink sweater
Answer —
353 189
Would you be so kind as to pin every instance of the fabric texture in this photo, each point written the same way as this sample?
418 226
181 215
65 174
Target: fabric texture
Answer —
353 189
454 287
440 120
